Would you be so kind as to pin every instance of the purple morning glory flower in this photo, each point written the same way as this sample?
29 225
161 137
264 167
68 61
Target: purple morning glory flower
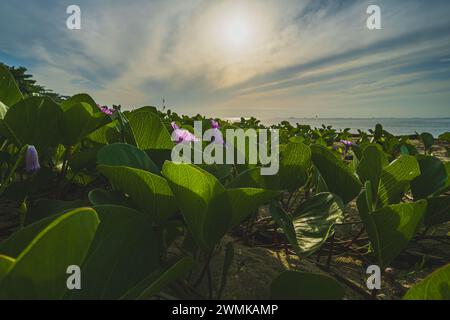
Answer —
347 143
214 124
32 160
218 137
105 110
180 135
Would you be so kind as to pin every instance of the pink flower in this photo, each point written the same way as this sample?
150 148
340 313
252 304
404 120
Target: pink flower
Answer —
217 134
214 124
105 110
180 135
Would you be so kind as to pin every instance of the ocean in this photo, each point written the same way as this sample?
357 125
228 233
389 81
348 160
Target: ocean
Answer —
396 126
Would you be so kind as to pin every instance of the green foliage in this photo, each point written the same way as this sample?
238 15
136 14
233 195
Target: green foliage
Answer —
434 287
149 191
122 154
338 177
9 91
38 271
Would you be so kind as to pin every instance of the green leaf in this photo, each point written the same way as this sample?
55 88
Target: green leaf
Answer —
244 201
101 197
371 165
392 227
427 140
9 91
149 191
34 121
3 110
79 120
432 178
445 136
395 179
314 221
294 166
80 98
121 154
157 281
434 287
124 251
295 285
438 211
39 272
203 202
252 178
338 177
149 131
6 263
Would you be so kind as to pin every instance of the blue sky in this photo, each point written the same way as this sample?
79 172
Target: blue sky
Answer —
266 58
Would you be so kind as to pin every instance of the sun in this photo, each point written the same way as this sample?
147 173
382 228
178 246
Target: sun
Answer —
237 31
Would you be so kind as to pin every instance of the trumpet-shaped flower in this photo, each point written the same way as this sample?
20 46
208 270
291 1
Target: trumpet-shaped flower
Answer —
32 160
180 135
218 137
105 110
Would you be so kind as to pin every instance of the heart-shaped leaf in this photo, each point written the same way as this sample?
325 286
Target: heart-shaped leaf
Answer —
432 178
125 251
392 227
34 121
39 271
121 154
434 287
149 191
294 166
203 202
395 179
245 201
9 91
337 176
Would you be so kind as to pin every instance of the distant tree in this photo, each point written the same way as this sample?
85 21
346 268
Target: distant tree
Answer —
28 85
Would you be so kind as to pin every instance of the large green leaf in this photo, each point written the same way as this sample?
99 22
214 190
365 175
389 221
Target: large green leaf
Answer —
39 272
121 154
338 177
294 166
34 121
395 179
434 287
149 191
371 165
438 211
314 221
9 91
80 98
392 227
160 279
125 250
203 202
149 132
252 178
79 120
245 201
295 285
432 179
112 197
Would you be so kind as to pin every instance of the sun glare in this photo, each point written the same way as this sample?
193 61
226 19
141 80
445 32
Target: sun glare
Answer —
237 32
